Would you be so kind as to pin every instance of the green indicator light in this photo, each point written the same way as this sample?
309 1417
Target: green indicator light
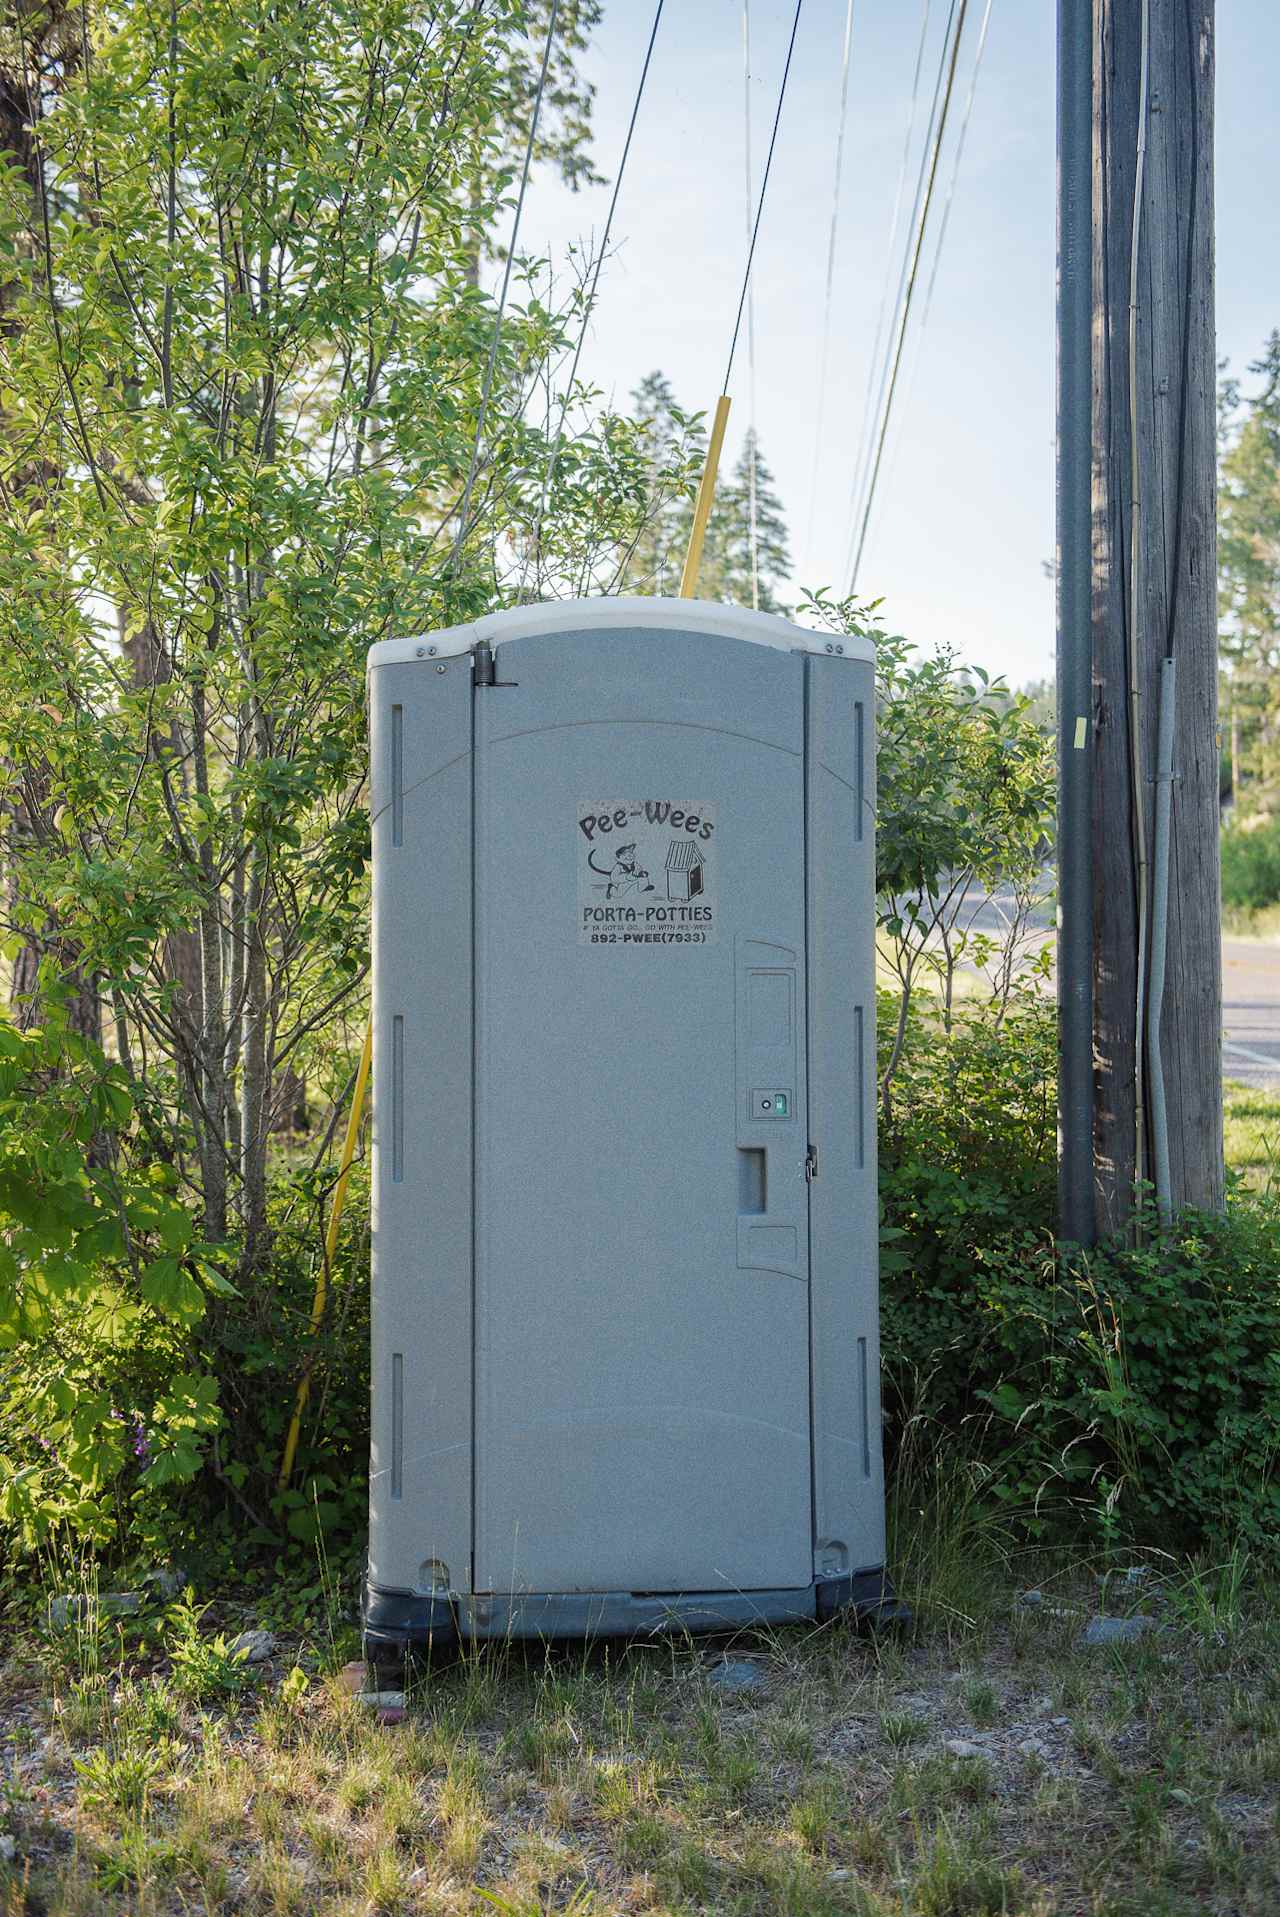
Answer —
780 1104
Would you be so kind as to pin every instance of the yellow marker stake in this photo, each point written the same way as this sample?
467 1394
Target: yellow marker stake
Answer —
702 510
330 1246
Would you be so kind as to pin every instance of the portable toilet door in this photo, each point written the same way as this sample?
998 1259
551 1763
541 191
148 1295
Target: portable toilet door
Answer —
625 1351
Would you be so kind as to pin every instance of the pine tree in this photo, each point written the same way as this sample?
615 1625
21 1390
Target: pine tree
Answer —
741 563
1249 581
728 572
657 558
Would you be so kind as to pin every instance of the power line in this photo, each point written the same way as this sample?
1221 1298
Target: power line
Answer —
905 304
866 425
487 387
955 165
904 272
905 409
764 187
595 277
831 268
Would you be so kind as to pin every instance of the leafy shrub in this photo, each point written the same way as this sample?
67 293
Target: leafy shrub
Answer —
968 1159
1251 864
1137 1389
129 1363
1145 1379
103 1402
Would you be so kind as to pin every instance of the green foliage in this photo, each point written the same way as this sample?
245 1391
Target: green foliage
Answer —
1251 864
1136 1391
102 1280
241 367
1249 577
968 1157
1145 1380
205 1668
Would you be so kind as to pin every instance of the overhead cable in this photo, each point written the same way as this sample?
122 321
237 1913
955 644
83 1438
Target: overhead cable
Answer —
905 408
487 387
831 269
955 164
904 313
589 305
885 365
764 187
866 424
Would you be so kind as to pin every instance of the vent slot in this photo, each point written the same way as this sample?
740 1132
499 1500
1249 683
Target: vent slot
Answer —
862 1399
397 1423
860 760
860 1068
397 1099
397 775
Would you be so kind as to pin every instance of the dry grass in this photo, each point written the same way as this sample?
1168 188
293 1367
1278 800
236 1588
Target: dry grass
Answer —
619 1779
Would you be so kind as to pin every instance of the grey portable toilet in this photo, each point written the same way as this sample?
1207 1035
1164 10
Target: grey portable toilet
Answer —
625 1327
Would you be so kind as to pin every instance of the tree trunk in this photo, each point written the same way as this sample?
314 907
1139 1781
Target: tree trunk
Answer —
1175 370
254 1079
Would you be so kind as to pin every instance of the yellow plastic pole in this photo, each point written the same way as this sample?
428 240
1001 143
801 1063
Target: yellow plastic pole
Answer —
330 1246
706 493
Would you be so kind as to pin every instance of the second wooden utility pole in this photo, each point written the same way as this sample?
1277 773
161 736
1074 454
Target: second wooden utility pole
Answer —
1157 1106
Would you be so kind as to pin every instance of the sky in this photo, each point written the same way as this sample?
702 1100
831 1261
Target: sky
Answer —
963 521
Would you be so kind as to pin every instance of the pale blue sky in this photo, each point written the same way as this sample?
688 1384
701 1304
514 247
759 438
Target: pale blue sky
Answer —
965 502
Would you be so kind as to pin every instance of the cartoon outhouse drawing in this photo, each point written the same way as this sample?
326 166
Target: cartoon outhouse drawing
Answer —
684 870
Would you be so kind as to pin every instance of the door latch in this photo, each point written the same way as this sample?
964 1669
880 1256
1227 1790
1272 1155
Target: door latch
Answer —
811 1164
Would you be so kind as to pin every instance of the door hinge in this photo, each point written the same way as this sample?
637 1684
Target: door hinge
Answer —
811 1164
484 667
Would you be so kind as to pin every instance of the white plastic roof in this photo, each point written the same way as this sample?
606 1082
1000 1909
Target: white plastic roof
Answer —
618 615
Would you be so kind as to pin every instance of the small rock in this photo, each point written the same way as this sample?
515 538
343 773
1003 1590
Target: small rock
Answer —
1116 1630
961 1747
1060 1723
253 1647
383 1700
1033 1747
352 1677
8 1848
392 1714
736 1674
110 1604
839 1876
168 1582
1031 1597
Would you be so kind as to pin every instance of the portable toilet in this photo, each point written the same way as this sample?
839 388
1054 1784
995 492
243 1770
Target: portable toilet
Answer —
625 1326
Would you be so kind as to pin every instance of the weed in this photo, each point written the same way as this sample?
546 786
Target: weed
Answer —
205 1669
982 1703
901 1729
815 1816
123 1782
959 1878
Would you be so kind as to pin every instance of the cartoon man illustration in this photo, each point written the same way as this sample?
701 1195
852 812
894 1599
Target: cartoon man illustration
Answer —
626 874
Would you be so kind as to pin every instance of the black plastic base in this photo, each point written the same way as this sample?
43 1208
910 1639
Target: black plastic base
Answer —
399 1624
868 1594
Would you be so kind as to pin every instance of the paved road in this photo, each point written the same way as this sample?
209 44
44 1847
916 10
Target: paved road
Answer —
1250 998
1251 1012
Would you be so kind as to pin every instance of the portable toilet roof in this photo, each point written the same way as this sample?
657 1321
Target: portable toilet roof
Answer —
683 855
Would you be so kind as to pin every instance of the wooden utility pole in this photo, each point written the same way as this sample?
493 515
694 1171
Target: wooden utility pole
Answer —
1154 366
